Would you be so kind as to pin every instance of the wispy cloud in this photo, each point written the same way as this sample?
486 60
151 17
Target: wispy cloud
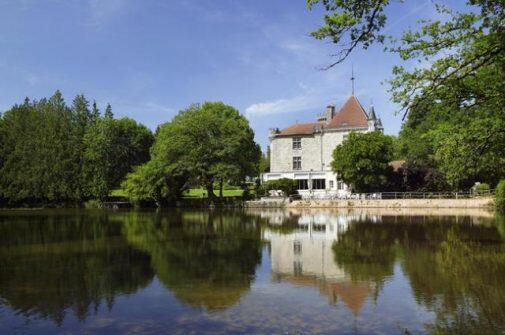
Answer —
280 106
101 10
309 98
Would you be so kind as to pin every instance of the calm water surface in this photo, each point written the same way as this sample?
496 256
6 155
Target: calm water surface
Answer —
254 272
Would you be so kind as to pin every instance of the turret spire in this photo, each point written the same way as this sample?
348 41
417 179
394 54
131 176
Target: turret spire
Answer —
352 78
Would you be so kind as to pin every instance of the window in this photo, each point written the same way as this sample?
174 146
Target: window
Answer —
297 247
340 185
297 163
318 184
297 142
303 184
331 184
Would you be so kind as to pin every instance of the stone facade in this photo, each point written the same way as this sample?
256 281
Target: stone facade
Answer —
312 144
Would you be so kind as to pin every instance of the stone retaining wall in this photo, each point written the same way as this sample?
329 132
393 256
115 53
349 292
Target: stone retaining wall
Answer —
484 202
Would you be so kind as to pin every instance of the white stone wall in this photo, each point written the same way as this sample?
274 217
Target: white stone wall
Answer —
282 153
316 151
315 254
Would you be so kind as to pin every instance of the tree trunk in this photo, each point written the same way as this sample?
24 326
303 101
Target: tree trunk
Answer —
210 191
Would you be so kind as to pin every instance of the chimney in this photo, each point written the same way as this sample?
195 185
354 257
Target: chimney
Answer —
272 132
330 112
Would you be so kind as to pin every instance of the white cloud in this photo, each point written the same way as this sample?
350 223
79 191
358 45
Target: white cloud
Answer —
295 104
330 87
101 10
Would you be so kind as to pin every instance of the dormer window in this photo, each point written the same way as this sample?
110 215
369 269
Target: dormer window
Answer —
297 143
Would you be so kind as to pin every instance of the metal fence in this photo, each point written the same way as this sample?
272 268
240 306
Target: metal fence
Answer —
400 195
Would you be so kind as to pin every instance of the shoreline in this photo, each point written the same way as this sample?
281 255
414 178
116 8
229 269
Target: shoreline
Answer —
484 202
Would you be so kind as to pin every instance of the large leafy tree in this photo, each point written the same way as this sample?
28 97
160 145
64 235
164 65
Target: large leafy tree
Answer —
362 161
211 142
453 106
460 132
202 145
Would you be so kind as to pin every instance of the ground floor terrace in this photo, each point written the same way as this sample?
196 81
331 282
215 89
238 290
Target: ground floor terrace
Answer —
313 184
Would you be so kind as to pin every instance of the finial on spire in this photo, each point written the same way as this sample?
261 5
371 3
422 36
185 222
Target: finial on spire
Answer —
352 77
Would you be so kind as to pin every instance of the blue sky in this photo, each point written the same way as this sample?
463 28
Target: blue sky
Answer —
150 59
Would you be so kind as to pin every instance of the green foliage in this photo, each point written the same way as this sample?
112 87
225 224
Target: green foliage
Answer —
461 133
72 263
155 181
351 24
207 143
206 259
455 126
113 148
363 161
264 165
51 153
500 196
286 185
454 267
481 188
360 23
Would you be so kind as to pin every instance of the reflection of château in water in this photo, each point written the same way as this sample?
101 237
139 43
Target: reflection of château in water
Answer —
305 257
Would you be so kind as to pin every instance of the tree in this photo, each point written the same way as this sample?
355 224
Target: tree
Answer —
53 153
265 161
460 132
83 120
108 112
360 23
362 161
211 142
453 107
113 148
38 152
357 22
95 113
155 181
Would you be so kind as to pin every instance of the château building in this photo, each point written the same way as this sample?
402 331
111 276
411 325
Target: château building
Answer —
303 151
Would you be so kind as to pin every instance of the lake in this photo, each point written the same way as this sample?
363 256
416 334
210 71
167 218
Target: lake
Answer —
252 272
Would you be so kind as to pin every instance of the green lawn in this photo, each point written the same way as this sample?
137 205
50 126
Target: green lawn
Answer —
191 193
202 193
118 193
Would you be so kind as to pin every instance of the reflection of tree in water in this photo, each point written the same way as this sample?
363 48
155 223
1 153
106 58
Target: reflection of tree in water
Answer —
367 251
207 259
51 263
462 281
456 269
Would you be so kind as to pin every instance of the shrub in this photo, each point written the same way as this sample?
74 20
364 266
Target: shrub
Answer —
286 185
93 203
500 196
260 191
481 188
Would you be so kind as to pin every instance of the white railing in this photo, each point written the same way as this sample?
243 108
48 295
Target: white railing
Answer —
397 195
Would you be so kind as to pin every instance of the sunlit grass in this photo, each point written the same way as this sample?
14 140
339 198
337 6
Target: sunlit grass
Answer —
202 193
